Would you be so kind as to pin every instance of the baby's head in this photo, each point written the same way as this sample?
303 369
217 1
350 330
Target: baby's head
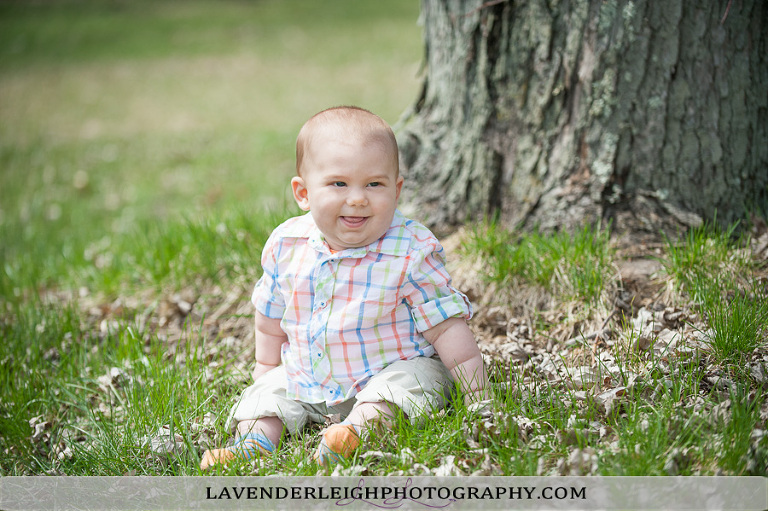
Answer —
347 175
347 122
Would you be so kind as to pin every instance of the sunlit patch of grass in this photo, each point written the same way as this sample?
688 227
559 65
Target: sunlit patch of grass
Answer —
220 247
88 403
705 253
32 377
120 116
171 254
737 320
712 267
576 265
735 448
659 439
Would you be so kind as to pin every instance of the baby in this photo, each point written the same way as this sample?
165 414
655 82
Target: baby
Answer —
355 312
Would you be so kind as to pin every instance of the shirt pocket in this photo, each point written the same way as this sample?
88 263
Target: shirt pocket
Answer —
372 294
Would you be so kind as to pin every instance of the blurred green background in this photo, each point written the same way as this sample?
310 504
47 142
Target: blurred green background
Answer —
117 114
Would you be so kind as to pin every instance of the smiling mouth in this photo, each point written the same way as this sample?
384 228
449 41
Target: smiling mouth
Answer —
353 221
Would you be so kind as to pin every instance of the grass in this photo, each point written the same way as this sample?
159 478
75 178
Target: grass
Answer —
663 424
738 322
707 251
145 147
711 267
100 398
117 115
574 264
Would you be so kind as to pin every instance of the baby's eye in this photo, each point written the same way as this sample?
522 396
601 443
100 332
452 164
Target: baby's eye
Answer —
339 183
374 184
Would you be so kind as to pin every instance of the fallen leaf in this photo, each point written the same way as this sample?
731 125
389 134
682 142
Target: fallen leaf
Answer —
164 442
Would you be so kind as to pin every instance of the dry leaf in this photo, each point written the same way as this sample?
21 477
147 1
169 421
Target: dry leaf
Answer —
447 468
581 462
582 377
163 442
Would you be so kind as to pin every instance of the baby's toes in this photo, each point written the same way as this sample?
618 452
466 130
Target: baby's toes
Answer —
216 456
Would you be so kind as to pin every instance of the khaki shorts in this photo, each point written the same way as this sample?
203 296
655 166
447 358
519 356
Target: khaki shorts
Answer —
419 386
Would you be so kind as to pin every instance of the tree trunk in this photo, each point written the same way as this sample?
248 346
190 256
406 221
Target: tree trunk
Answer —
553 113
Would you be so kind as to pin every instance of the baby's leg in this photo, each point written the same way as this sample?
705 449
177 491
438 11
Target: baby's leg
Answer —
365 413
418 386
341 440
259 436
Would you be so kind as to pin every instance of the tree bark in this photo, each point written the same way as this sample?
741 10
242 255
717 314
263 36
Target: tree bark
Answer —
554 113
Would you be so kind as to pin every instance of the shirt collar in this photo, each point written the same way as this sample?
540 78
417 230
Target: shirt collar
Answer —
394 242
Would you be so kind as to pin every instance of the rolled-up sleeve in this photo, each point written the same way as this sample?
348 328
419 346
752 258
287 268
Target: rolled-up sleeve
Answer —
428 291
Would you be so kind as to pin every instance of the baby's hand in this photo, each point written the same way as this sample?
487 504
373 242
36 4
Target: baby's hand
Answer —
261 369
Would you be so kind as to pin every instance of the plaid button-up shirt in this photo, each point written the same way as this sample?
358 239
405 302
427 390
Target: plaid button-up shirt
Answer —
349 314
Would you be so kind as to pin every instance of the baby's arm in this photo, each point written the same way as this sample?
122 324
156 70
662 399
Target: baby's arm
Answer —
454 342
269 339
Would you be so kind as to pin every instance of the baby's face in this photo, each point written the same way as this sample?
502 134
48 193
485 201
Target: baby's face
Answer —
351 190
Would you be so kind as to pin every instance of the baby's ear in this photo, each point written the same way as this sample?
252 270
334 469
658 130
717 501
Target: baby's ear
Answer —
300 193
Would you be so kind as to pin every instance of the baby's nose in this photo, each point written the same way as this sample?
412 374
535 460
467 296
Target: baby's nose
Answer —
357 198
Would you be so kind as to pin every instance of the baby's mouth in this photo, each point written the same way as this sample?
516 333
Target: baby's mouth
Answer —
353 221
